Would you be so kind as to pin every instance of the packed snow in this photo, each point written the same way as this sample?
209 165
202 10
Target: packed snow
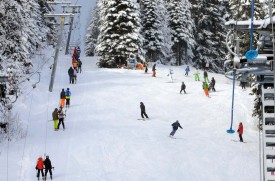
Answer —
104 140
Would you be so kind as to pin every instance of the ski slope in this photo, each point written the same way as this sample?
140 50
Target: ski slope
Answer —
105 141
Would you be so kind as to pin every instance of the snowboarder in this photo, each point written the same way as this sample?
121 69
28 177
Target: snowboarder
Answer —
175 126
183 86
240 131
154 70
143 112
196 74
62 98
79 66
212 84
205 76
55 118
187 70
61 116
71 75
205 88
68 97
48 167
39 167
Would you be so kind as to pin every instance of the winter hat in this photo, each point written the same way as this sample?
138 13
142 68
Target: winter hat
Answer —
68 88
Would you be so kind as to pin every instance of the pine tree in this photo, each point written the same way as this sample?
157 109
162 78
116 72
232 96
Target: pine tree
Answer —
92 33
119 32
210 34
182 27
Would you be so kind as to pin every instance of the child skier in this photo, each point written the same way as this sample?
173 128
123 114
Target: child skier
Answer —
75 75
79 66
205 88
62 98
196 74
175 126
240 131
71 75
39 167
68 97
183 86
146 67
187 70
55 118
143 112
154 70
48 167
212 84
170 74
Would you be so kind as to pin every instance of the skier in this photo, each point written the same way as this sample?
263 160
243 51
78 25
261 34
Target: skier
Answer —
196 74
39 167
75 75
75 64
61 116
78 51
243 82
207 65
48 167
143 112
205 88
183 86
205 76
212 84
187 70
240 131
71 75
175 126
55 118
79 66
146 67
68 97
154 70
170 74
62 98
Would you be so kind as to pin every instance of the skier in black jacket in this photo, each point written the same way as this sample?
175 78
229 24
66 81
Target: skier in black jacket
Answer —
71 75
175 126
48 167
183 86
143 112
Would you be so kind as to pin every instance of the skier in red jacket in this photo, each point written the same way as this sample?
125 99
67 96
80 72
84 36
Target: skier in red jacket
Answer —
39 167
240 131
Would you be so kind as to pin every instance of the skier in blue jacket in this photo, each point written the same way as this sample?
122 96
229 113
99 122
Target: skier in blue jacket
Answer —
68 97
187 70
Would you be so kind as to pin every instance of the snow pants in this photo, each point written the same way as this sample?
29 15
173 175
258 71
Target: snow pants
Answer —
144 113
38 173
183 91
206 92
197 78
154 73
67 102
241 137
48 170
61 120
186 73
173 132
71 79
55 123
62 102
206 79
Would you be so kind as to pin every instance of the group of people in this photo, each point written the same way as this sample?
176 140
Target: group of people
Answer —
76 66
44 164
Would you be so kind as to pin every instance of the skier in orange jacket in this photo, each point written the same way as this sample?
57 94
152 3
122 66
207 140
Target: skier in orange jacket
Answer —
39 167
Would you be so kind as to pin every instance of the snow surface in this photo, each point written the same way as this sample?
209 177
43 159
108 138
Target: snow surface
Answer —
105 141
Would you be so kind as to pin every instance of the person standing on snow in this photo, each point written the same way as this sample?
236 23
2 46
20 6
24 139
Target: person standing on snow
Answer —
79 66
143 112
71 75
154 70
39 167
212 84
68 97
146 66
48 167
175 126
62 98
205 88
183 86
75 75
205 76
170 74
55 118
61 116
240 131
187 70
197 75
